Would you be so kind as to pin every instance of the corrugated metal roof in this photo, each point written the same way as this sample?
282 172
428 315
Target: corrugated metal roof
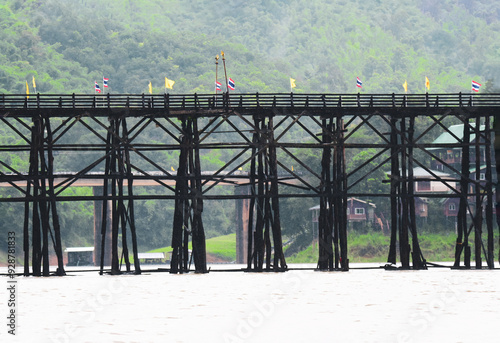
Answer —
457 130
473 169
348 199
421 172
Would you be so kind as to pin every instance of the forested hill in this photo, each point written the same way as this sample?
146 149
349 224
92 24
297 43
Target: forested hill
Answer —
323 44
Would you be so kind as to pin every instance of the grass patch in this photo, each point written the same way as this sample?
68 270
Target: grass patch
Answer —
374 247
308 255
223 247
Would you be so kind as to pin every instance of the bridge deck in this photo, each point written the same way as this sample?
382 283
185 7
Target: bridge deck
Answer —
208 104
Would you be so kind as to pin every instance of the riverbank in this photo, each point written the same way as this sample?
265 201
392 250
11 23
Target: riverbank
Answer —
374 247
362 248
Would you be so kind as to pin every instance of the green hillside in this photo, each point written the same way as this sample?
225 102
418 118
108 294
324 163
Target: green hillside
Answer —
324 45
66 45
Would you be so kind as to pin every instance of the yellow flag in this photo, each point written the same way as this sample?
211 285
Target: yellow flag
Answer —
150 88
292 83
169 83
427 83
27 90
34 84
405 86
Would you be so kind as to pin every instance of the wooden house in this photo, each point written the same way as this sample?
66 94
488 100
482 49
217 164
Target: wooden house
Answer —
424 181
357 211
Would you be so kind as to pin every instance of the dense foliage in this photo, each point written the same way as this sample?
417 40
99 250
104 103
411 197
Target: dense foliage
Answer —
66 45
323 44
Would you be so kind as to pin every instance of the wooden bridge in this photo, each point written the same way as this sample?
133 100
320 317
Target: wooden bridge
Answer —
261 131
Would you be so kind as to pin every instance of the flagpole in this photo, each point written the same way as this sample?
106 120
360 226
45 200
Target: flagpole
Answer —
471 95
27 93
216 74
225 71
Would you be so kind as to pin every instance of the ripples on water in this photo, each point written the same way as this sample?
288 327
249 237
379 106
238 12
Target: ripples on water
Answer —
362 305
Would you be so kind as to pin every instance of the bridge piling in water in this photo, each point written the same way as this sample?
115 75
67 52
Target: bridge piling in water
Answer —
188 204
44 209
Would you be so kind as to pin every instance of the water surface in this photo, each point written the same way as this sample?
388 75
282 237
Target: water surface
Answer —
362 305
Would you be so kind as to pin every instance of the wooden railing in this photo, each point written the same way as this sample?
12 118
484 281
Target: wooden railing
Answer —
233 100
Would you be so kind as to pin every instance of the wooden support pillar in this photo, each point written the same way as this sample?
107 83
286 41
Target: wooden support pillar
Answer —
52 202
496 130
44 211
104 217
118 168
462 241
115 259
279 256
36 256
176 264
26 240
188 204
178 220
326 206
489 192
404 245
403 216
265 199
332 221
341 196
478 215
395 184
253 194
198 231
258 187
127 214
335 197
417 256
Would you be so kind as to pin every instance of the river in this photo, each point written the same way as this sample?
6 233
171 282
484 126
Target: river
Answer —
362 305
